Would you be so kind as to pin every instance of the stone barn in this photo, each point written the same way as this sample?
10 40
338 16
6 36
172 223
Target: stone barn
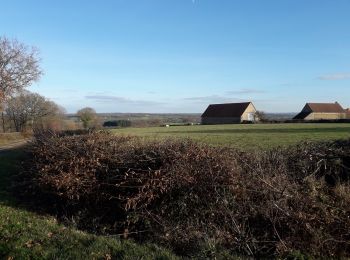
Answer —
322 111
347 111
229 113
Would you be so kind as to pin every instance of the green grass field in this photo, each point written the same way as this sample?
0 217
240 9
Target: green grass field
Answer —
247 136
28 235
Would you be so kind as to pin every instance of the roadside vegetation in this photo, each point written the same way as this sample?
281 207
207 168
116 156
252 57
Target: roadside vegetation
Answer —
10 138
25 234
199 200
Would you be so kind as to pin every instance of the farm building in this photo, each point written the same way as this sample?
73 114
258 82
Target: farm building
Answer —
322 111
347 111
229 113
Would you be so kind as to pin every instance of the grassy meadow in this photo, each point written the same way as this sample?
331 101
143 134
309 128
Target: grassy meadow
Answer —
249 136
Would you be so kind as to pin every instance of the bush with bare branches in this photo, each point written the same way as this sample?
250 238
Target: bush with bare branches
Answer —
195 198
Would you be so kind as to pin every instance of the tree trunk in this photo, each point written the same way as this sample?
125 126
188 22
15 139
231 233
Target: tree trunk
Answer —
3 121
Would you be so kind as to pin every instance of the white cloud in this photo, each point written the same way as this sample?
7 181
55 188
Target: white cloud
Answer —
121 100
245 91
213 99
336 76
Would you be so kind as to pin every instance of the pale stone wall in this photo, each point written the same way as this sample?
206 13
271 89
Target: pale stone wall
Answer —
250 109
326 116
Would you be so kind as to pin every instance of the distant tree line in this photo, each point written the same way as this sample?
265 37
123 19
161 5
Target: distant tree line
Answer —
117 123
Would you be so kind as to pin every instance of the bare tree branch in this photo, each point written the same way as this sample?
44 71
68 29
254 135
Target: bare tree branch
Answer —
29 108
19 67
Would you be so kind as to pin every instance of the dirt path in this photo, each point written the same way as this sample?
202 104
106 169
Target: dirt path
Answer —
13 145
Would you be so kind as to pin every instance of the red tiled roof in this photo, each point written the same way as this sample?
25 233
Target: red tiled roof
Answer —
326 107
226 110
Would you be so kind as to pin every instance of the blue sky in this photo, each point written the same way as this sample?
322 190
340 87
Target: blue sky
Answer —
180 55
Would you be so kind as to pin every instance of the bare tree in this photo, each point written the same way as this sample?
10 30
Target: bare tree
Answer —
260 116
29 109
88 116
19 68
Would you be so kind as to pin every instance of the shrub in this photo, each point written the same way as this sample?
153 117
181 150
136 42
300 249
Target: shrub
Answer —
195 198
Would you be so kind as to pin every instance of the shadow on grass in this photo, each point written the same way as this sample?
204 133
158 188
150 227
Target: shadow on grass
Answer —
10 165
11 192
265 131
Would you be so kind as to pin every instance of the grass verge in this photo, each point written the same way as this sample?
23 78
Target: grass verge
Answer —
8 138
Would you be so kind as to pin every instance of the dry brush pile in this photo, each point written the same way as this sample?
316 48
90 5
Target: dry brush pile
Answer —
195 198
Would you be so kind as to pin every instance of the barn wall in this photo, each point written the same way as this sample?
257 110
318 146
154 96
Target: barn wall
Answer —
325 116
250 109
220 120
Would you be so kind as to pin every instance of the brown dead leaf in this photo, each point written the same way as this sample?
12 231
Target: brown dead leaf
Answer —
29 243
